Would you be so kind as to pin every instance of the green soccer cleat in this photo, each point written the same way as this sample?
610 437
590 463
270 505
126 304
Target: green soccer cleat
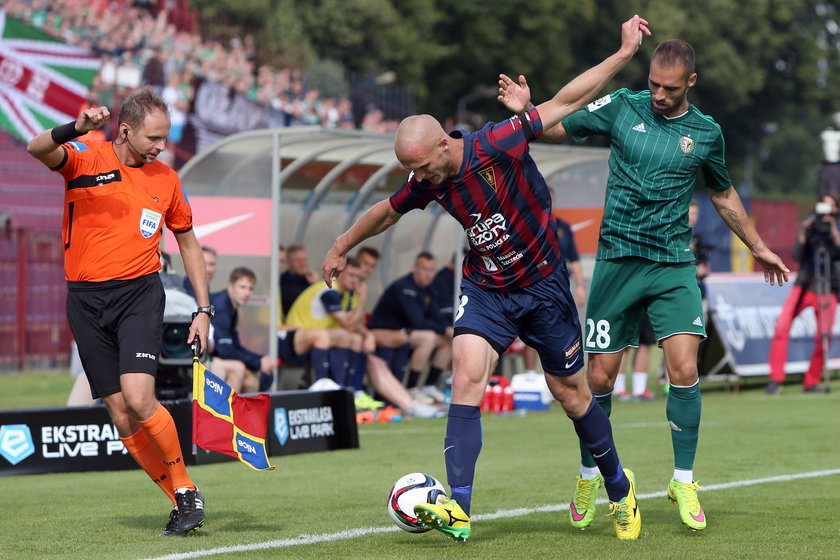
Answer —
685 496
582 506
627 519
363 401
446 516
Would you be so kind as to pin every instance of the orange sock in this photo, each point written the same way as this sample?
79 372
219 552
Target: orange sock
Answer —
161 431
148 458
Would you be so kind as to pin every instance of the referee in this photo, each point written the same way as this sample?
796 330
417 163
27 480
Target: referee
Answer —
117 200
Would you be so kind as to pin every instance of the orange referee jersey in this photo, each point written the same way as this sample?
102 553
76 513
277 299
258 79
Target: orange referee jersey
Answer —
114 214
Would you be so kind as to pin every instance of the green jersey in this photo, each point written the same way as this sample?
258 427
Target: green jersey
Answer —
653 170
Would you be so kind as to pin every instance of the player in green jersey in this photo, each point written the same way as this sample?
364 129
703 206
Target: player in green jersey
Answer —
659 141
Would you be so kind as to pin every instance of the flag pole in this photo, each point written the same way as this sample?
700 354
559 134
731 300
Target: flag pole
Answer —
194 346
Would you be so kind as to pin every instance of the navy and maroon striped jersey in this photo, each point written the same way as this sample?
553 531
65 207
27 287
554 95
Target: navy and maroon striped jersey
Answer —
501 200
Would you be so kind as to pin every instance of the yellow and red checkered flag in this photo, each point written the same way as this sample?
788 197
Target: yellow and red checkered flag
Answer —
227 423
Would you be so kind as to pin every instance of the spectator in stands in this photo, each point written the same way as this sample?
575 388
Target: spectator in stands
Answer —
176 97
296 278
817 250
322 307
406 315
153 72
226 336
150 48
210 257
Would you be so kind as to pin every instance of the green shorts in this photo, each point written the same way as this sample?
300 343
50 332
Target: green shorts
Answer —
622 288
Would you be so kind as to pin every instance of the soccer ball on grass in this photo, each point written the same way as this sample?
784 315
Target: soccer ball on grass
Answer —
409 491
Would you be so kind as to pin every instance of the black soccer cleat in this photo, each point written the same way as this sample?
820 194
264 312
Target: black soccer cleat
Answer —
171 525
190 510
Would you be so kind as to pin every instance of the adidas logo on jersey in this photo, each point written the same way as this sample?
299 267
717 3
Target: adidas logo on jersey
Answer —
674 427
697 322
640 127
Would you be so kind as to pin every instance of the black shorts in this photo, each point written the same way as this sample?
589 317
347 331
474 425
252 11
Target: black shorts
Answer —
118 327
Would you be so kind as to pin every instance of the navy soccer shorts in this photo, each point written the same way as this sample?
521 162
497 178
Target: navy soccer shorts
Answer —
543 315
286 348
118 327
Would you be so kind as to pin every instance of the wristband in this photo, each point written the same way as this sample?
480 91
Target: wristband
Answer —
65 132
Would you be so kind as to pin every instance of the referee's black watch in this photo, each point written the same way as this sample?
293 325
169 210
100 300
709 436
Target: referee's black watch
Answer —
209 309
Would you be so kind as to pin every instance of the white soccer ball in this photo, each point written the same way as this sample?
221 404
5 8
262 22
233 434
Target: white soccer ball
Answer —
409 491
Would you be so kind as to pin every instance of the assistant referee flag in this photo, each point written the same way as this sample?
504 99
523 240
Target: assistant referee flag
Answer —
227 423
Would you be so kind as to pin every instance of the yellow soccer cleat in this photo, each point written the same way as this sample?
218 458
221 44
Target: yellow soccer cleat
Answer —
627 519
446 516
685 496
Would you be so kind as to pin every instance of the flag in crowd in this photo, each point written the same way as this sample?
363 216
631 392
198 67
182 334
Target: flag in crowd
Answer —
43 81
228 423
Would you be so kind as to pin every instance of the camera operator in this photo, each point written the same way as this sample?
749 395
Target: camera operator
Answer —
817 250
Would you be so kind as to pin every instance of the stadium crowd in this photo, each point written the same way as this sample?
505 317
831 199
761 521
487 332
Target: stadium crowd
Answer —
140 44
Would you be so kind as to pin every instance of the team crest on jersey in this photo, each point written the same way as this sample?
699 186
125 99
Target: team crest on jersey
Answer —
598 103
686 145
149 222
489 177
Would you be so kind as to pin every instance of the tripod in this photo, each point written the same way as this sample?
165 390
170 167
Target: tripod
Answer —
822 283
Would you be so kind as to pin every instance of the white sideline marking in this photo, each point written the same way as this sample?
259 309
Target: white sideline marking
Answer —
301 540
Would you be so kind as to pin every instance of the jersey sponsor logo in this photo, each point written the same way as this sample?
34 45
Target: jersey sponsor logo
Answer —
489 264
87 181
487 230
489 177
686 144
149 222
598 103
640 127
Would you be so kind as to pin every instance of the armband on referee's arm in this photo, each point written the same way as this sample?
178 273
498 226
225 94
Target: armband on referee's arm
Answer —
65 132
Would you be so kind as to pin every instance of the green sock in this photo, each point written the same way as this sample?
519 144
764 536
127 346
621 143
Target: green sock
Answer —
605 400
683 413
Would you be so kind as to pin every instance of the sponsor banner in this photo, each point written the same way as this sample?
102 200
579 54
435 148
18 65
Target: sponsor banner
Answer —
231 225
76 439
60 440
742 314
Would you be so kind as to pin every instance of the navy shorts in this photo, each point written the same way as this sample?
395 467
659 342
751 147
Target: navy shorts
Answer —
118 327
286 349
543 315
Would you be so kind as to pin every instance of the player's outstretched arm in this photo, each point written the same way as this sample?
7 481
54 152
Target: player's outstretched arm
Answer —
377 219
46 147
516 96
728 204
